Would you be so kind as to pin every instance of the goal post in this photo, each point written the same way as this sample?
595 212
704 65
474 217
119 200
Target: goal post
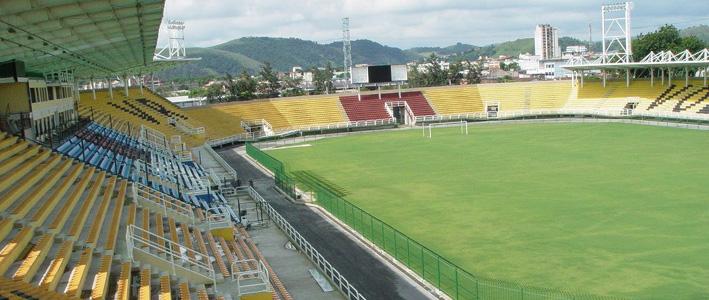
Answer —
462 124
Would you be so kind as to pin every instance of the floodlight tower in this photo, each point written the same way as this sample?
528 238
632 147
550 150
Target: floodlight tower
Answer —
175 48
615 26
347 51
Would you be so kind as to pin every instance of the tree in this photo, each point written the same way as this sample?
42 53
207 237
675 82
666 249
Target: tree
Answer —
291 87
231 88
246 86
268 86
415 78
322 79
665 38
214 93
435 74
474 73
455 73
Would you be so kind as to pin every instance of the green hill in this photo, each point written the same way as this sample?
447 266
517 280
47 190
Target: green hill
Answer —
700 31
250 53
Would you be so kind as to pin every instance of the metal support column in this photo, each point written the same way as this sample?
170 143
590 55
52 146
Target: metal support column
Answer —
705 76
93 89
573 78
652 77
398 85
140 83
627 77
379 90
359 94
686 77
669 77
125 84
152 81
604 78
110 87
582 79
662 76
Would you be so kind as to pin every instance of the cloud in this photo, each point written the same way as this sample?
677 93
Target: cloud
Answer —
409 23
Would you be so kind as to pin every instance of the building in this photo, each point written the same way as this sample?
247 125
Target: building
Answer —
546 42
576 50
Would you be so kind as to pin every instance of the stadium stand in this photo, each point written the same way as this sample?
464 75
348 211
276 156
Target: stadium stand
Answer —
526 96
370 107
138 109
455 100
655 99
281 114
59 253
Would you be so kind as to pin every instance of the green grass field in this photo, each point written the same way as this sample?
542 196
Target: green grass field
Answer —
608 209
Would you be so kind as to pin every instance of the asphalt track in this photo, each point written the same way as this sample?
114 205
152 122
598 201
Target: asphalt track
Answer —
362 268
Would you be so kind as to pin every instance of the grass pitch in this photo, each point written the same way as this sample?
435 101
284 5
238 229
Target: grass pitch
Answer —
609 209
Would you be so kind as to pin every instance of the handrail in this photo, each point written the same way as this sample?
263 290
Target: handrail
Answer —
136 241
221 162
261 272
242 137
216 218
349 291
145 193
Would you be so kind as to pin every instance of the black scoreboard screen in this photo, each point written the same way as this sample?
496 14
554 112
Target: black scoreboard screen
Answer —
379 74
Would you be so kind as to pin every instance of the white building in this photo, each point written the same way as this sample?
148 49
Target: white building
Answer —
546 42
528 62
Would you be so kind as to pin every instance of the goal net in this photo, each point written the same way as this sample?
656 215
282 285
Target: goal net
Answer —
428 128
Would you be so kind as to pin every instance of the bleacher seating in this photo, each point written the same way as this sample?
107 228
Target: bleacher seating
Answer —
137 109
62 218
370 107
455 100
675 98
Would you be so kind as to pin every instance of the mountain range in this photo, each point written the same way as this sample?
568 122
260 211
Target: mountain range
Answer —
250 53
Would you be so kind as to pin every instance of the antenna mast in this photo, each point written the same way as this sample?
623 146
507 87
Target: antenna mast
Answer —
347 51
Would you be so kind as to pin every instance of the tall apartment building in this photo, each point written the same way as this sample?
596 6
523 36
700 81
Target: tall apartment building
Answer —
546 42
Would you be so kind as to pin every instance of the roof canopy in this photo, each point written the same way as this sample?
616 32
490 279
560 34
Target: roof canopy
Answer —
664 59
90 37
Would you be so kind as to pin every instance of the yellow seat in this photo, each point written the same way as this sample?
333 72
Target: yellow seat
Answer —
31 263
144 289
165 293
80 217
12 250
116 217
217 258
99 288
23 208
78 274
123 284
52 275
184 291
47 207
102 209
20 165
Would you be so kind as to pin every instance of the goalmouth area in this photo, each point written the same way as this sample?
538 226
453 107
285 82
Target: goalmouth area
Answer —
566 210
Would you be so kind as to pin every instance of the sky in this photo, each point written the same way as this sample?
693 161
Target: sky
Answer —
412 23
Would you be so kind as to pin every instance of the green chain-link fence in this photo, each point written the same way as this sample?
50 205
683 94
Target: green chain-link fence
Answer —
438 271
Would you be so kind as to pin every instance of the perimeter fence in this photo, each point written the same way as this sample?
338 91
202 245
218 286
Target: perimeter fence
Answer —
429 265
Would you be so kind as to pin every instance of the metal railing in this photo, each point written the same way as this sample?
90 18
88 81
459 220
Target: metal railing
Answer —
169 204
247 137
609 113
229 170
170 252
349 291
217 217
258 271
185 126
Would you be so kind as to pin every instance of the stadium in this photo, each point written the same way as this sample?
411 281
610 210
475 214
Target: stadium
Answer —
593 187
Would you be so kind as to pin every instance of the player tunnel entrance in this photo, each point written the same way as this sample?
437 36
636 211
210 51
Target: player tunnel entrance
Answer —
400 111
